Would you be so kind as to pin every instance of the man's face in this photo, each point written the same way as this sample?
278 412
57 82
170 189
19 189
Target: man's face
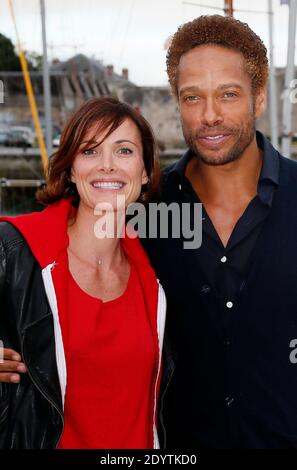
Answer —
218 109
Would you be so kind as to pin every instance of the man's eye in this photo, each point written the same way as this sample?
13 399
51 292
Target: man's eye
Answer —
125 151
191 98
229 94
89 152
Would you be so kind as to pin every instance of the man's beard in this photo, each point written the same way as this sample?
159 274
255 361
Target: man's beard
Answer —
244 136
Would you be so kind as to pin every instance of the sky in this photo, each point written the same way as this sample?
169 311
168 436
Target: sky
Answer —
130 33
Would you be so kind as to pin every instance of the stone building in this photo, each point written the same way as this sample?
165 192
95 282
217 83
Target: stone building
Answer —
80 78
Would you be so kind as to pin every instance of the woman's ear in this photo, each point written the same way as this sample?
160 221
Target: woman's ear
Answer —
72 176
144 179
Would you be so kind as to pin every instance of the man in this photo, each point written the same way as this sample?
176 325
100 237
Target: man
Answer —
232 303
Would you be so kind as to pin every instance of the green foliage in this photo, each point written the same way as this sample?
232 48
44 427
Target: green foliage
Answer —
9 60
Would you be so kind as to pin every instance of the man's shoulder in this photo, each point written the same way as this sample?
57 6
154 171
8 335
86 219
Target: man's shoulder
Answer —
169 168
169 183
167 172
288 166
171 172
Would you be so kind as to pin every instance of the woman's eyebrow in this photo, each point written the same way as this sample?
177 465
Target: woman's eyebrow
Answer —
124 140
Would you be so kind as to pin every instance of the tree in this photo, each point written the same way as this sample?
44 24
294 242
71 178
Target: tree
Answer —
9 60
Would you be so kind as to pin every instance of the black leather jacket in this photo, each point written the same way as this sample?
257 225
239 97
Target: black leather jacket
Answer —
31 414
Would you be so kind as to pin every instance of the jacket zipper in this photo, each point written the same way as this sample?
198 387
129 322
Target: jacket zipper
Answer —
60 356
161 407
53 302
43 393
161 315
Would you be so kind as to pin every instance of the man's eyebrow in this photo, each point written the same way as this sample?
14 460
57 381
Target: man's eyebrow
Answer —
224 86
189 88
230 85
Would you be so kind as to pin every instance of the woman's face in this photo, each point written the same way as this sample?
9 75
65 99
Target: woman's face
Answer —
113 168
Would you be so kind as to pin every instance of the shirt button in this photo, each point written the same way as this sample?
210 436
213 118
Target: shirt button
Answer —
227 343
229 304
224 259
205 289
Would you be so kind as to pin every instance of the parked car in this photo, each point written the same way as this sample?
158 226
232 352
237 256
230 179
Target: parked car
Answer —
4 138
19 139
25 134
56 140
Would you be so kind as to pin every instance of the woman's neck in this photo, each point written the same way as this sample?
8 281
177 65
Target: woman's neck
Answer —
89 246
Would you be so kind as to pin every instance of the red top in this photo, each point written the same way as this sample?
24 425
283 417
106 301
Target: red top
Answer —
110 357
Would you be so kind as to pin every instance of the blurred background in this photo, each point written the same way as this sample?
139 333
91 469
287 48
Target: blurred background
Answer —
56 54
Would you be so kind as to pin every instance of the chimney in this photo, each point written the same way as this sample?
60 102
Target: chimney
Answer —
109 69
125 74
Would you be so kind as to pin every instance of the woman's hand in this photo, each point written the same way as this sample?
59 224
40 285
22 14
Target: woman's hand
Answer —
11 366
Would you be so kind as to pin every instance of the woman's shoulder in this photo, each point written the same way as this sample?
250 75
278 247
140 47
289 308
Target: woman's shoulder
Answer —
9 235
8 230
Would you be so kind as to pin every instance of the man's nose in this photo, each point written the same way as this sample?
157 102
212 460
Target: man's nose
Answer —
212 114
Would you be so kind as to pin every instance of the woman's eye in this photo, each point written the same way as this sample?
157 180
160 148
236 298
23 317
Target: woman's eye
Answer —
125 151
89 152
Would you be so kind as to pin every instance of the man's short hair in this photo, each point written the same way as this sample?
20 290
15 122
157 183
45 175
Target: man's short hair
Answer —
223 31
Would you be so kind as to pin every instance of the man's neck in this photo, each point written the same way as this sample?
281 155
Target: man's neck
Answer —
233 183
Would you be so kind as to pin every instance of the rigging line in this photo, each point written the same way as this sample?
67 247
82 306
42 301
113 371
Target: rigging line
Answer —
126 31
212 7
112 31
30 92
238 10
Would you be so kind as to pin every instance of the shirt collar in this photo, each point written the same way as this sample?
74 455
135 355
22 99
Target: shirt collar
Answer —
270 166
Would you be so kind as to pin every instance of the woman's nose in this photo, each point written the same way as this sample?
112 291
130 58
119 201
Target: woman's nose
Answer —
106 162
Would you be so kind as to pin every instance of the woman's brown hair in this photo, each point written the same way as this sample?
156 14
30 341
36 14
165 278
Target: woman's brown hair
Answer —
108 114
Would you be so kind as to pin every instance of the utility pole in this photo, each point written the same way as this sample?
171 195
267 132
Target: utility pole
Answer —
287 104
228 8
272 84
46 86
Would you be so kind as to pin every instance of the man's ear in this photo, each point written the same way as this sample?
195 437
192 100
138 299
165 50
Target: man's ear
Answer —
260 102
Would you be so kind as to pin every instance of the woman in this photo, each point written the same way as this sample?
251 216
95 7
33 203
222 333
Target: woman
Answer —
84 311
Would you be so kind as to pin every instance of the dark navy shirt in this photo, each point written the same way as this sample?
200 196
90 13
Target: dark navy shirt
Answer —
224 267
230 321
